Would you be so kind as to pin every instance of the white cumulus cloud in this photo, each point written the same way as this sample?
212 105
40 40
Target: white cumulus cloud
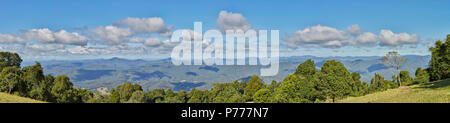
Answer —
112 34
366 39
47 36
389 38
232 21
146 25
321 35
10 39
354 29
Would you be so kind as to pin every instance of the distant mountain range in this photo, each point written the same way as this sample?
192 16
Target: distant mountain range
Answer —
151 74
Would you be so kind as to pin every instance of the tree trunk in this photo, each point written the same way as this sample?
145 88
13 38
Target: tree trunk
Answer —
398 78
9 89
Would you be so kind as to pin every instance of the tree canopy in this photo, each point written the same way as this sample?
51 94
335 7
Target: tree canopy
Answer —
439 67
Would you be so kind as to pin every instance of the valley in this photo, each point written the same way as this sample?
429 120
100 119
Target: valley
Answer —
152 74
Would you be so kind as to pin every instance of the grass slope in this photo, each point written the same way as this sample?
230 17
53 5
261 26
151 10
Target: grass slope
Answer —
434 92
8 98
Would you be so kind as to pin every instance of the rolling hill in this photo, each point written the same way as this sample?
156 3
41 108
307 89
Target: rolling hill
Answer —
108 73
8 98
434 92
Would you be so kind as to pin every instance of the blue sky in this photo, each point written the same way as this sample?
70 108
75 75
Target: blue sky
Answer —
427 20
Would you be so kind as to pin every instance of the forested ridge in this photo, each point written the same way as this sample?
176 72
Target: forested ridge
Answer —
307 85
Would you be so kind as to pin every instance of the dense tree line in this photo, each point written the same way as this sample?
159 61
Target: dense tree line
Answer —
307 85
439 67
31 82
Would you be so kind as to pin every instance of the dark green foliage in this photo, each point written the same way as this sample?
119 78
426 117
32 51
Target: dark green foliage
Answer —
225 93
126 90
333 80
63 91
31 82
262 96
357 88
254 85
11 81
198 96
377 83
169 93
272 86
180 97
114 96
155 96
98 98
306 69
172 97
365 88
83 95
37 86
405 78
295 89
422 76
240 86
439 66
8 59
138 97
45 87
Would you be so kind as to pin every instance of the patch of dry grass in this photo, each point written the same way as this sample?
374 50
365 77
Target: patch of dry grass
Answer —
8 98
434 92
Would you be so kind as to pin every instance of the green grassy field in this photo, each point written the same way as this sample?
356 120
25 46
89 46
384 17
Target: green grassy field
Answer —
434 92
8 98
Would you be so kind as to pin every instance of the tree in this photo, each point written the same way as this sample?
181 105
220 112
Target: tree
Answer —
169 93
172 97
356 85
98 98
83 95
137 97
439 66
62 89
197 96
126 90
225 93
11 81
8 59
405 77
377 83
273 86
240 86
114 96
155 96
422 76
333 80
182 96
254 85
295 89
262 96
306 69
12 78
365 88
394 60
35 80
47 85
31 82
